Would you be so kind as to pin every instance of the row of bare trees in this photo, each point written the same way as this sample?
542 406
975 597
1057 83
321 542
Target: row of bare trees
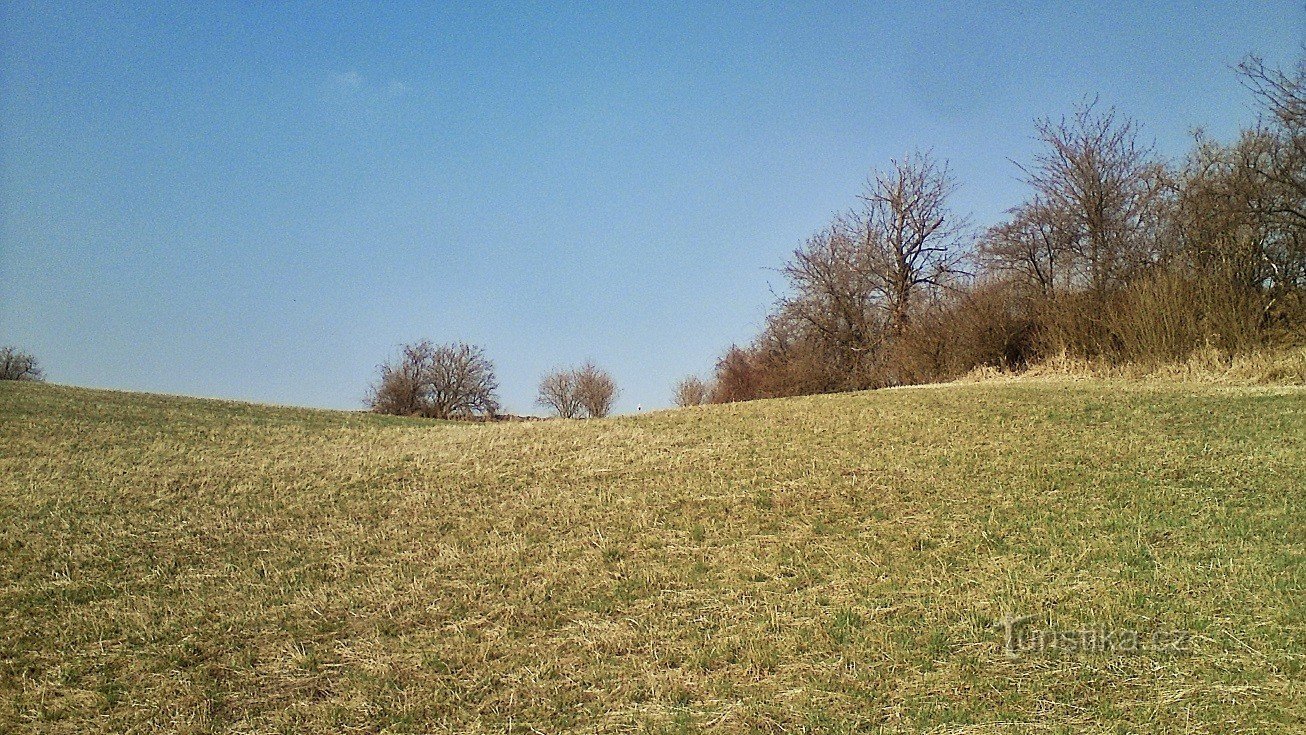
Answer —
1115 254
457 381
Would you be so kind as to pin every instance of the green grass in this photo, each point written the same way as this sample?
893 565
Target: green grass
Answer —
823 564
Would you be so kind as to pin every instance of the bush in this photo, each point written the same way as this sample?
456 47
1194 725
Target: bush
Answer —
691 391
985 326
596 390
1167 316
1072 324
737 377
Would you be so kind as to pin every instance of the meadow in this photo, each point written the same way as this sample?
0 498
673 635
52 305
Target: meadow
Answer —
819 564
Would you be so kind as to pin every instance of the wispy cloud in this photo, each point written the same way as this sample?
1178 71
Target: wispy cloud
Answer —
350 81
354 84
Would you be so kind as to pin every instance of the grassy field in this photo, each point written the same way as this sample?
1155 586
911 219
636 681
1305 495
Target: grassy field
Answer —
824 564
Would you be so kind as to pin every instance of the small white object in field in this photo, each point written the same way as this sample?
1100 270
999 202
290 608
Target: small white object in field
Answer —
639 407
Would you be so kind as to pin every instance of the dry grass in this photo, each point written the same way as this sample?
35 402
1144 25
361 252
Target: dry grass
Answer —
822 564
1209 365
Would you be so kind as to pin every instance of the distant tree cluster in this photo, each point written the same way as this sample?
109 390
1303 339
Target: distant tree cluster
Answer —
1114 255
18 365
457 381
587 391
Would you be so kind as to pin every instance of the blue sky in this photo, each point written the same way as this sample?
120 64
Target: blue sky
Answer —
262 200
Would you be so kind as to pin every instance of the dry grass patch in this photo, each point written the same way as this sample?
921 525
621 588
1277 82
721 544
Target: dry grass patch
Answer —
1208 365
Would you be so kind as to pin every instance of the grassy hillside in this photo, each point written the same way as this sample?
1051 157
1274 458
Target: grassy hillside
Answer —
821 564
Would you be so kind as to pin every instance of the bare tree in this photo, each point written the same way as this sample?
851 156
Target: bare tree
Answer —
691 391
584 391
558 393
1224 216
911 237
1034 245
1283 96
437 381
16 365
1276 151
737 377
853 286
596 390
834 293
1102 188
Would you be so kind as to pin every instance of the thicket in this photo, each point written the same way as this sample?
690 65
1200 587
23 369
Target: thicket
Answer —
1115 257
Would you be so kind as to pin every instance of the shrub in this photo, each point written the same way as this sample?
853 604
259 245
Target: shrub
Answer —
1168 315
1072 324
985 326
596 390
691 391
737 377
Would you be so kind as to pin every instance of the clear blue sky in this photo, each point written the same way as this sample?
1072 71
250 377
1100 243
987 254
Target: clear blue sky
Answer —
261 200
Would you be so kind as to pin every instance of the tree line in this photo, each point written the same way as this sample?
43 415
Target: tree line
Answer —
1114 255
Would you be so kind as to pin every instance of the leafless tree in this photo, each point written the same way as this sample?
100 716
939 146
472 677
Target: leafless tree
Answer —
1283 96
437 381
1102 187
1276 151
736 378
17 365
691 391
596 390
910 235
584 391
1224 218
853 286
559 393
1033 245
834 294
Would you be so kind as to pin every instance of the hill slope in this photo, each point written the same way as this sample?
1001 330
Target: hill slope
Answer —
829 563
